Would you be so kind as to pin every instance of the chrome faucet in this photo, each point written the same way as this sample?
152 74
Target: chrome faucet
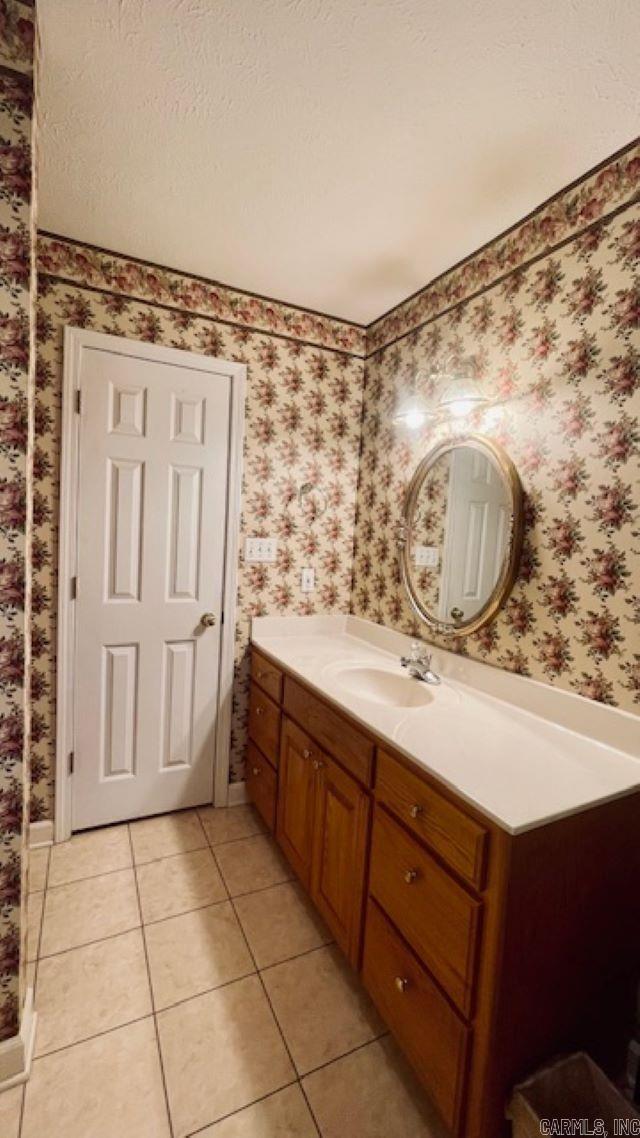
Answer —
418 664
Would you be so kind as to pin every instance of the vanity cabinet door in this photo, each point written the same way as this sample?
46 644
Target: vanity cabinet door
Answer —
296 797
339 854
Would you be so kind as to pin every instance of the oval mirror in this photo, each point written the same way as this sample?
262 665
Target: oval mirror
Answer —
462 534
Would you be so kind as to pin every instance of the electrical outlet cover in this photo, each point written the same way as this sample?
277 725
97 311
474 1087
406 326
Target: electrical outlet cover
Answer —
426 556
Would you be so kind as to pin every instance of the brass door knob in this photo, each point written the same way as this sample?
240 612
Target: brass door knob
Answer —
208 619
401 983
410 876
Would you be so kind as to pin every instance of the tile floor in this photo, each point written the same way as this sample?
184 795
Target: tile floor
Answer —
185 986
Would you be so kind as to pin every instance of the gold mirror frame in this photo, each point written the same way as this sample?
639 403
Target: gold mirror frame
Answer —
509 572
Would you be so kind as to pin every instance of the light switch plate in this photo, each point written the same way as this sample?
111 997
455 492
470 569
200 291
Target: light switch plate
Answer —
260 549
427 556
308 580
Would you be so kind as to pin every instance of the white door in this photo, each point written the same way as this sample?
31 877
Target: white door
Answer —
476 534
152 499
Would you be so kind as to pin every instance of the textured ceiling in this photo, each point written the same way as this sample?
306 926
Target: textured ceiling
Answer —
334 153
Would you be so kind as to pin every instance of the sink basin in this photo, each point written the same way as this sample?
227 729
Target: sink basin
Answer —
377 685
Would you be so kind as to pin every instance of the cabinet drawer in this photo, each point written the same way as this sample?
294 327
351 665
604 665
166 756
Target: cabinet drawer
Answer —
335 733
261 785
434 1038
455 837
264 724
267 675
435 914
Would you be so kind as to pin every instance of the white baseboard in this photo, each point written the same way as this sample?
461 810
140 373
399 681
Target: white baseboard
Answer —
40 834
16 1053
237 794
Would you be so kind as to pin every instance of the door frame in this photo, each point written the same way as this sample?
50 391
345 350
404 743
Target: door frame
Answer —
75 341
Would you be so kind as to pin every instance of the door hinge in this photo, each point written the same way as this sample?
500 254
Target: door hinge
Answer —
78 400
72 759
74 588
221 618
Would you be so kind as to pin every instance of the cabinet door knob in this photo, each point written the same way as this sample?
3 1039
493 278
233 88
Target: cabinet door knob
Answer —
259 710
410 876
401 983
415 811
255 770
306 754
317 764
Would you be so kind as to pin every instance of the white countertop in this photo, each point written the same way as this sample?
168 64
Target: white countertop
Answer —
521 752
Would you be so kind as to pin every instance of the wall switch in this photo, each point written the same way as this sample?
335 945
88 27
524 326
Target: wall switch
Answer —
260 549
427 556
308 580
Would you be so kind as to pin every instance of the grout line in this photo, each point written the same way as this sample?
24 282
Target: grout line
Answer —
85 943
262 889
234 841
88 1038
307 952
169 856
204 992
345 1055
239 1109
275 1018
89 877
151 996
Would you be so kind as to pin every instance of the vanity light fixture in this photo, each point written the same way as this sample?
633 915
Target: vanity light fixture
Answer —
460 392
413 412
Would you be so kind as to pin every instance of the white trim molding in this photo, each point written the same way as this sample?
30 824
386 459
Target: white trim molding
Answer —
236 794
16 1053
76 340
40 834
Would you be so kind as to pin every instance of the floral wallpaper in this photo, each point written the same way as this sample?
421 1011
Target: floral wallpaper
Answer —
556 342
429 528
16 422
303 413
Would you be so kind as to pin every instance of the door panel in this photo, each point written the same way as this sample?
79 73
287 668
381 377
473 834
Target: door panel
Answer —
153 471
296 798
339 855
476 533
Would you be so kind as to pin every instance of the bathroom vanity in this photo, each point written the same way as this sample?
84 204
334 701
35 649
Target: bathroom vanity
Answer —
473 847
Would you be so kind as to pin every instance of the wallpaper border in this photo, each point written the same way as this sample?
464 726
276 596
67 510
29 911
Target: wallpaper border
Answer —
586 202
78 263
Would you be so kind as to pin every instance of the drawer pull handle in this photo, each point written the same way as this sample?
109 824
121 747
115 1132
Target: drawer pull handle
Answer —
259 710
401 983
255 770
318 764
410 876
306 754
415 811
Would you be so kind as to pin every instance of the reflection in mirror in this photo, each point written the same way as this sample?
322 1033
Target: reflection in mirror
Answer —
462 534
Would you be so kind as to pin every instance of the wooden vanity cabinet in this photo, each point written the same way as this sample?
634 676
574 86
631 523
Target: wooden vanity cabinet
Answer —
340 841
296 807
322 827
485 952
